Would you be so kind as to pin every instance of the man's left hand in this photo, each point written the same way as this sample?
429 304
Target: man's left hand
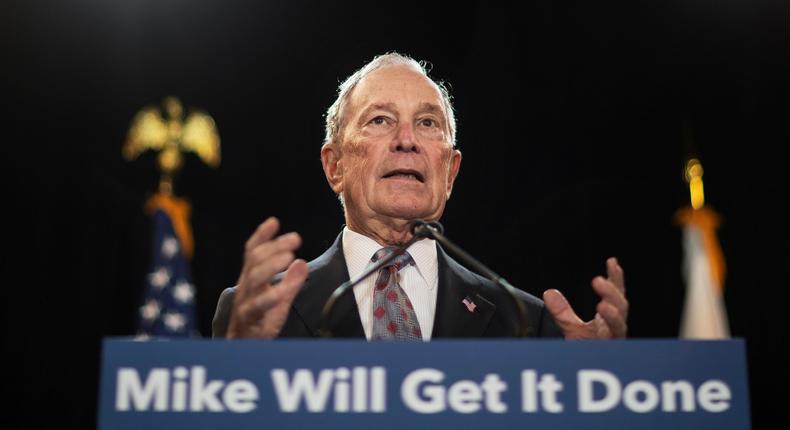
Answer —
612 311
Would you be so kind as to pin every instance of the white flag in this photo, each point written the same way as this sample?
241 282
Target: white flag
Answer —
704 314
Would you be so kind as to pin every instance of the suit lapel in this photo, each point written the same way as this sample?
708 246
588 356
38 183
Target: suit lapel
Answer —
327 272
453 318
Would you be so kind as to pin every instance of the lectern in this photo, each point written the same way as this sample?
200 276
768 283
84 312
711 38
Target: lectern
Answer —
490 384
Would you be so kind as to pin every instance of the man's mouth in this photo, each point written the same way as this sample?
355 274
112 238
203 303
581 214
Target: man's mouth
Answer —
405 174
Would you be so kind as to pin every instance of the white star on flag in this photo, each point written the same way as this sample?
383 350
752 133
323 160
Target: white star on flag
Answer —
160 278
168 309
169 247
150 310
174 321
183 292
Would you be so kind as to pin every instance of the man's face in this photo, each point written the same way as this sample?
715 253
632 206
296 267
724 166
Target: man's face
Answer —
396 160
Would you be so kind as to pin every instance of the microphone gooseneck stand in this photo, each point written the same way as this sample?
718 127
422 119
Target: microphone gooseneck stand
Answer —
435 231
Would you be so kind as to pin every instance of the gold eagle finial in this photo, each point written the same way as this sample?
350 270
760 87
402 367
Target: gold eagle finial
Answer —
171 135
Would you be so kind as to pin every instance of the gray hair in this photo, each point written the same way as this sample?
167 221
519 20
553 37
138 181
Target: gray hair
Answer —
334 115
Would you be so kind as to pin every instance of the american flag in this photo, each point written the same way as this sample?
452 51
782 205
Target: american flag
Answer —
168 308
470 305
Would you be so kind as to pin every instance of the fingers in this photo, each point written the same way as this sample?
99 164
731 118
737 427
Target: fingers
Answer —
265 256
561 310
253 310
284 292
293 280
615 274
263 233
613 318
268 259
612 309
614 306
610 294
266 312
259 309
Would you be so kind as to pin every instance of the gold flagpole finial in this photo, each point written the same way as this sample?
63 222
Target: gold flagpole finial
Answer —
168 132
694 173
171 135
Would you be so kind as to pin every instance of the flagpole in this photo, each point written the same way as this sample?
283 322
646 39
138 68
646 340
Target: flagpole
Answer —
168 308
704 315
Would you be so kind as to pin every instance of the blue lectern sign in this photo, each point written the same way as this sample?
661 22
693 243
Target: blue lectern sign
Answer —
204 384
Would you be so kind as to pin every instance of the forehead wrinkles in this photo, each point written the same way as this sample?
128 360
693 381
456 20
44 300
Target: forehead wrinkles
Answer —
371 91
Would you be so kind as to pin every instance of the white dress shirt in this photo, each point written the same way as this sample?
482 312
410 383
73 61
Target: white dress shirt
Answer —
419 281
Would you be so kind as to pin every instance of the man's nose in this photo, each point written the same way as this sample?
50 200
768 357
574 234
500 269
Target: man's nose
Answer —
405 140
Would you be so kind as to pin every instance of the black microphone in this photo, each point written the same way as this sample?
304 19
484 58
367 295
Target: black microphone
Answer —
435 230
326 312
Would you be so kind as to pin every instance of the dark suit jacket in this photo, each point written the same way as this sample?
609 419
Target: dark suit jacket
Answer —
494 315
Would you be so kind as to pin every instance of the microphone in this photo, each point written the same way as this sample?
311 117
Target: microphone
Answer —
435 230
326 312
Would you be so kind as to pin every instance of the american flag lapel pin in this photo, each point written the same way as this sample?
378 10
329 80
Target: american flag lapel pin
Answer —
470 305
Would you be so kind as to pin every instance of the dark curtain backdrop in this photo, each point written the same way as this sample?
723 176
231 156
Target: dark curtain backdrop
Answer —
575 119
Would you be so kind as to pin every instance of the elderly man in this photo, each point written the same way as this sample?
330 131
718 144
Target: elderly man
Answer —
390 156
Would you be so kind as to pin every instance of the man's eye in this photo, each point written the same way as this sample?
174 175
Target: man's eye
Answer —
427 122
379 120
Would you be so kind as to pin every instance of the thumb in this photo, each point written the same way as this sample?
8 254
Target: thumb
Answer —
294 279
282 295
560 309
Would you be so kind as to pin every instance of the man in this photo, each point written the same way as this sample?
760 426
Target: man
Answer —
390 156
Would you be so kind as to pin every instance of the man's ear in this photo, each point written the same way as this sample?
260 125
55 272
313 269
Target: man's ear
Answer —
333 167
455 166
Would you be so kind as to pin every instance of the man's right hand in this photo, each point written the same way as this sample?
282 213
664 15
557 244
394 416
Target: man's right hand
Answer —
260 308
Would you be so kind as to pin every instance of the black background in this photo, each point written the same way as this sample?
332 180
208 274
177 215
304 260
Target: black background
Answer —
575 119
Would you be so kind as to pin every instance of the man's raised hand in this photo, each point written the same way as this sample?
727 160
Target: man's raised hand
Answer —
611 318
260 308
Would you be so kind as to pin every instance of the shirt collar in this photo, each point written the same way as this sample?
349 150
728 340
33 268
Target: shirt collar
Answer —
358 249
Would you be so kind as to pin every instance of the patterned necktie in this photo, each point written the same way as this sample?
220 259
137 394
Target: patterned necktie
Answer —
393 313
